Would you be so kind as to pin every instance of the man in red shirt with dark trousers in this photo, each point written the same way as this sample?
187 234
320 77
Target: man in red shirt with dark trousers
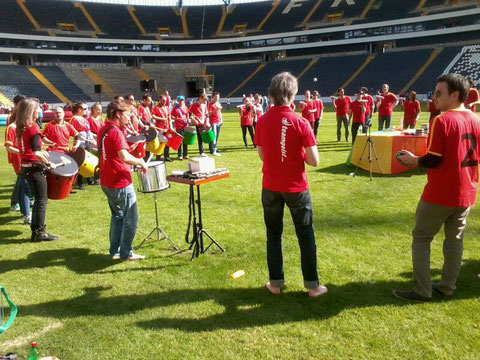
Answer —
116 181
453 152
342 104
285 142
386 102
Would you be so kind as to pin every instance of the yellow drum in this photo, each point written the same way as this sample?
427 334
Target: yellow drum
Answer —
87 162
152 145
162 141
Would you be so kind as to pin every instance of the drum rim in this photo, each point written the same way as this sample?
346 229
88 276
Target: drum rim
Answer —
69 174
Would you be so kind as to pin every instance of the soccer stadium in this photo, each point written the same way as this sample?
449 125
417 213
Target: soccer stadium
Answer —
361 116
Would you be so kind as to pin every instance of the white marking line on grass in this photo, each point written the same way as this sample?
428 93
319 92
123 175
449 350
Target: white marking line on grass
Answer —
24 340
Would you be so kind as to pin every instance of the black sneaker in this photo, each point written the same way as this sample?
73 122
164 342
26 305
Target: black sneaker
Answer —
410 295
44 236
81 187
441 291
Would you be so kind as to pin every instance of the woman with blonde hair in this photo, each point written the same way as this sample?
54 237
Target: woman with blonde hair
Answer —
33 162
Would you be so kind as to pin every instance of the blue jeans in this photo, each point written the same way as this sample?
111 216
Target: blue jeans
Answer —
384 120
123 225
216 130
23 195
300 205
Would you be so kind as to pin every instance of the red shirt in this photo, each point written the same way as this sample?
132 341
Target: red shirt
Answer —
283 136
95 123
357 112
144 113
472 97
454 136
292 106
309 105
216 115
161 116
114 172
80 124
199 112
342 105
59 134
412 109
25 146
179 114
319 107
387 105
10 139
246 117
369 105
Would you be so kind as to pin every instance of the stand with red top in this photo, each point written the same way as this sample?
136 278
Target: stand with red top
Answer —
198 231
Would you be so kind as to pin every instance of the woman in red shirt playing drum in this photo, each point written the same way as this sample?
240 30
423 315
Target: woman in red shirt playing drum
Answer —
33 164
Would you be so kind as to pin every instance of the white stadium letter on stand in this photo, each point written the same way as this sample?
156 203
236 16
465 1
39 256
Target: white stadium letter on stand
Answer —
293 4
337 2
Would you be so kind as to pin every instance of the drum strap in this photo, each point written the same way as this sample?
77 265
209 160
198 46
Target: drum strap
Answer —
100 144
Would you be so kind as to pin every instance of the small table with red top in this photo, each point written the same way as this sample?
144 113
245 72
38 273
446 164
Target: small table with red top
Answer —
198 231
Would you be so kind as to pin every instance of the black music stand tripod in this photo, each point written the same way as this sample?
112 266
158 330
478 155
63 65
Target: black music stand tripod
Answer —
371 152
161 234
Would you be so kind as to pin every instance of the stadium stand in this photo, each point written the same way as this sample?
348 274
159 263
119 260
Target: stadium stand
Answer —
56 76
17 20
153 18
76 75
118 23
229 76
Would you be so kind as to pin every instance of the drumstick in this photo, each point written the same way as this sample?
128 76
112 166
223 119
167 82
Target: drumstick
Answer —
149 158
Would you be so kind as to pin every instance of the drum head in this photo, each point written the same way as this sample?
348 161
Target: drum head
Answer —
135 139
69 169
162 138
150 134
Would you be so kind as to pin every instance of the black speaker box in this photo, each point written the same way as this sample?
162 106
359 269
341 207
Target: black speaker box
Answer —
143 85
152 85
97 88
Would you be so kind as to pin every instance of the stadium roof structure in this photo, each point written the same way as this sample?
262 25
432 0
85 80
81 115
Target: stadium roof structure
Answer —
179 3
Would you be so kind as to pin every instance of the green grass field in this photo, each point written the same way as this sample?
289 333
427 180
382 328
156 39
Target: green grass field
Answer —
79 304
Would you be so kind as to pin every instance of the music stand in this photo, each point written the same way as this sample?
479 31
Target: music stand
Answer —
371 151
161 234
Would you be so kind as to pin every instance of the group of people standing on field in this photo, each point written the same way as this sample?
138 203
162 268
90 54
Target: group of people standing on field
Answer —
359 112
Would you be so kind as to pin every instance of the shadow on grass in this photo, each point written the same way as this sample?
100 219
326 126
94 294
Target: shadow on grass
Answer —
7 219
343 168
7 237
244 308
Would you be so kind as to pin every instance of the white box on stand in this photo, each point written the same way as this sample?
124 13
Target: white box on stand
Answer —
201 164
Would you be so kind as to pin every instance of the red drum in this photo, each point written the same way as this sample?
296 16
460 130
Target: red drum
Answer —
174 140
61 179
137 145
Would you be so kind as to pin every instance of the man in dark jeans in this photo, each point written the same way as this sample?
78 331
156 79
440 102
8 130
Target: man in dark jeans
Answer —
285 142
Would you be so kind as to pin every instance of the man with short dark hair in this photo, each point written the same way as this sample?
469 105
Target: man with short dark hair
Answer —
385 102
216 120
285 142
342 106
198 117
452 179
116 181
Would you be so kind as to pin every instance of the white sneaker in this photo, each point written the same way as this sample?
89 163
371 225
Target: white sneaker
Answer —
135 257
216 154
116 256
203 155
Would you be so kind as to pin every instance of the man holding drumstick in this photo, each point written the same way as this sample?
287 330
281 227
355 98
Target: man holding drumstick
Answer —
116 181
59 132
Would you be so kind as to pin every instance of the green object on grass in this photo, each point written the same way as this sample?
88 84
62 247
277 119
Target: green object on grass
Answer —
13 312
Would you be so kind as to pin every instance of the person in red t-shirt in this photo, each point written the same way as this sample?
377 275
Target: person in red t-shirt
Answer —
144 113
80 123
432 109
341 104
385 102
216 120
180 117
33 163
411 111
116 181
308 108
452 159
258 109
161 118
198 117
59 133
21 189
285 142
247 113
357 114
369 108
473 97
319 112
95 119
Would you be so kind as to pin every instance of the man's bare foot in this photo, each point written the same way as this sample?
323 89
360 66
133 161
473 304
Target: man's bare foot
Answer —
273 290
318 291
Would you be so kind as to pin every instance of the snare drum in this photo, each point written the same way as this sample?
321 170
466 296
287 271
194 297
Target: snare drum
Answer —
174 140
137 145
155 179
61 179
86 161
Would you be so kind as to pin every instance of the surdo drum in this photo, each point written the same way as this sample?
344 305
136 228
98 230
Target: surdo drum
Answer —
61 179
86 161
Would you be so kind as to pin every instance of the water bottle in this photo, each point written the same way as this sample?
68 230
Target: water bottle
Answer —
33 353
